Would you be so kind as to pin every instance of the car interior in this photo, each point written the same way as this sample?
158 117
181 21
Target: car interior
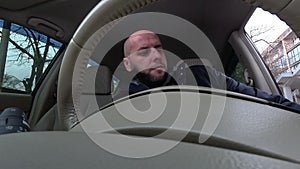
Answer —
66 108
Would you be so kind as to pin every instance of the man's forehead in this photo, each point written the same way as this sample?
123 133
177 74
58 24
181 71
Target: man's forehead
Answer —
142 32
144 38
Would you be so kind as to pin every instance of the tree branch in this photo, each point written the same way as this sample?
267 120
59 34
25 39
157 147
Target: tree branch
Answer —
21 49
30 40
46 49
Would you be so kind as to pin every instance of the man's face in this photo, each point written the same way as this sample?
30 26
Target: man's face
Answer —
145 55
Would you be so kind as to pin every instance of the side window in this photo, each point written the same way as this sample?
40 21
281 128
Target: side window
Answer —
238 73
236 70
279 47
24 56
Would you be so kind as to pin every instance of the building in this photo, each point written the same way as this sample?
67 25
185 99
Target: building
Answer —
283 59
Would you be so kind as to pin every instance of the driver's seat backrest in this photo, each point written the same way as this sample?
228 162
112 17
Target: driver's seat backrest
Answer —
101 90
100 77
97 83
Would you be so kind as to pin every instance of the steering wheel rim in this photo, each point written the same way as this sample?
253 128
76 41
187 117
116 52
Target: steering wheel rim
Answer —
88 35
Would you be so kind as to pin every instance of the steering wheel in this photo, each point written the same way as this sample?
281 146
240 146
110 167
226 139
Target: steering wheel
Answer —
80 49
84 43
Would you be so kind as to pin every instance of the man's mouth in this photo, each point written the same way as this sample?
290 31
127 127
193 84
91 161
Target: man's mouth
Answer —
159 67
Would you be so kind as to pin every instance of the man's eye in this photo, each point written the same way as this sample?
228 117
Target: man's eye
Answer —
144 52
159 49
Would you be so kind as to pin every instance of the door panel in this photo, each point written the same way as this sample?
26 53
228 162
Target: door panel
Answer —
22 101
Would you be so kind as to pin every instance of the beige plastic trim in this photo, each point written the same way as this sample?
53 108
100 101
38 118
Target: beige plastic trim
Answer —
262 78
46 26
287 10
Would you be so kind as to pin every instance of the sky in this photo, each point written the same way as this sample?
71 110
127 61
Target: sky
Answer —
264 19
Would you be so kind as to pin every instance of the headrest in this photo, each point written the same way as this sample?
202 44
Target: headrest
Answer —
184 76
97 80
191 62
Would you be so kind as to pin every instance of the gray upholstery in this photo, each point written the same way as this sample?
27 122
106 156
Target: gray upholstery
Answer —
48 122
97 80
97 83
184 76
49 150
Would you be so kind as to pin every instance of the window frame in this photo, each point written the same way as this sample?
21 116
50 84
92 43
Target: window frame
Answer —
47 68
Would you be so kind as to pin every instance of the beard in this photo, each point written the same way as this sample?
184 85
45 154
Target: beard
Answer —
151 80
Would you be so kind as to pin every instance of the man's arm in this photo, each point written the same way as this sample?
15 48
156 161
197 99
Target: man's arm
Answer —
235 86
217 79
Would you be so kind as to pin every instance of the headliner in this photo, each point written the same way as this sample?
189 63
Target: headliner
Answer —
216 18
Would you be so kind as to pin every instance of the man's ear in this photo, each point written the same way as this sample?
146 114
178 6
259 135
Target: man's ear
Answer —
127 64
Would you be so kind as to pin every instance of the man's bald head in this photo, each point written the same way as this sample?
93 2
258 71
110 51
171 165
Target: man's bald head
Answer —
143 53
131 40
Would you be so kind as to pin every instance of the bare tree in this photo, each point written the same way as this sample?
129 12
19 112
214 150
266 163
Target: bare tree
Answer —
33 48
258 34
10 81
273 48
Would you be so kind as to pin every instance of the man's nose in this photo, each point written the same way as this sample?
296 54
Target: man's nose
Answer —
156 53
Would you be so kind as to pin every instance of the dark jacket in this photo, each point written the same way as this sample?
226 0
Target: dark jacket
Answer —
208 77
